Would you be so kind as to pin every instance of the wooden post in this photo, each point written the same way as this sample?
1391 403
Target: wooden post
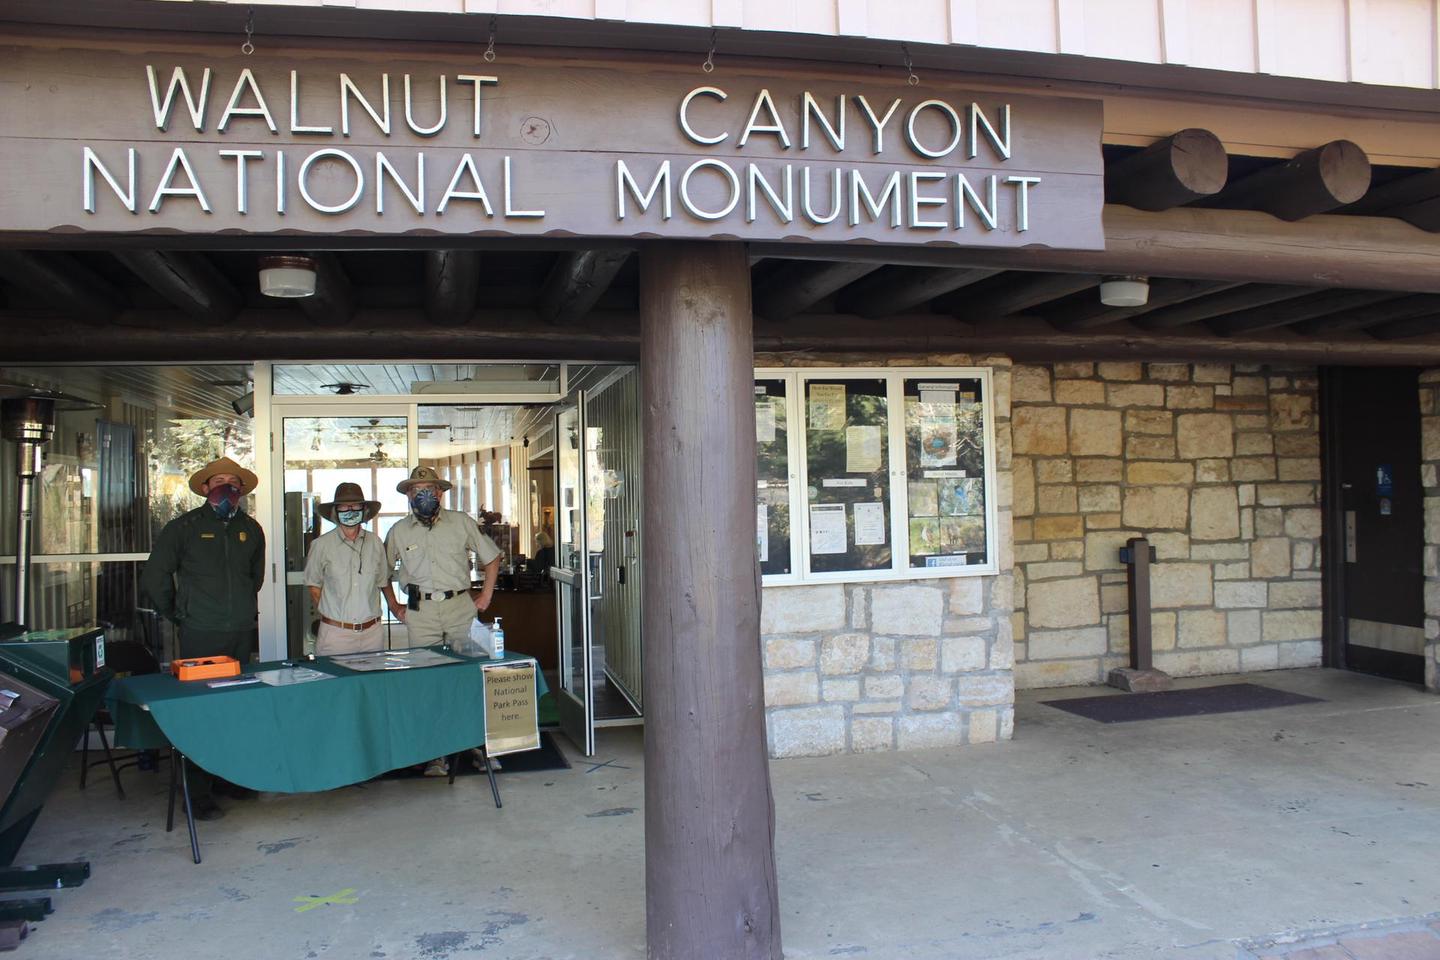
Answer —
710 887
1141 676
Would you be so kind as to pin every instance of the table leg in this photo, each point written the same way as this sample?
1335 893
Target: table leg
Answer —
489 772
109 758
170 807
453 762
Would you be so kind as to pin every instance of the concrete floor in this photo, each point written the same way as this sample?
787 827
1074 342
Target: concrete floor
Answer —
1232 836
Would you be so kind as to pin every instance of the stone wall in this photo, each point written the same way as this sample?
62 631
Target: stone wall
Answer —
1218 465
1430 480
897 665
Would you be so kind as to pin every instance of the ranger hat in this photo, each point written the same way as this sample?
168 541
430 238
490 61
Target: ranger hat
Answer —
349 493
422 475
198 479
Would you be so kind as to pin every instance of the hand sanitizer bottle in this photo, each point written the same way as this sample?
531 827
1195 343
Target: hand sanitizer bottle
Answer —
497 640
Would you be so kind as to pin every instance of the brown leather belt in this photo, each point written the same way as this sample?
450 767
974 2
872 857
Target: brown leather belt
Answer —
350 626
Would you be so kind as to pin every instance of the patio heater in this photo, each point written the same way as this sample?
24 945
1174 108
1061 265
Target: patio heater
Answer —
29 421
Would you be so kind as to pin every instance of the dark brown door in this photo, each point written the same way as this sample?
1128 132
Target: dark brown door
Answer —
1382 524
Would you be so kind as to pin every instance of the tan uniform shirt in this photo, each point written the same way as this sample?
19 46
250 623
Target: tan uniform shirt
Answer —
349 575
437 557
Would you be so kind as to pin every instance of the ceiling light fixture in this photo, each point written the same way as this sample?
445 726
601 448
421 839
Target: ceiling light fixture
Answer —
287 276
1124 291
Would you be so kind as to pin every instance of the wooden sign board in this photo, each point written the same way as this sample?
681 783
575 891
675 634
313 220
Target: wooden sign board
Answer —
511 722
176 137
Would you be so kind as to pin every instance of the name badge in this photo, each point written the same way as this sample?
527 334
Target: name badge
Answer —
242 536
207 536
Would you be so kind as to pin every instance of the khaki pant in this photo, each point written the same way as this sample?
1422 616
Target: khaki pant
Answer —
440 621
331 640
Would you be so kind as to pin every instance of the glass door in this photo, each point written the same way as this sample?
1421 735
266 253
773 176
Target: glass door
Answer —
318 450
572 575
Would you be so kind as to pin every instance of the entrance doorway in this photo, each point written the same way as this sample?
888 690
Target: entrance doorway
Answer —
1376 510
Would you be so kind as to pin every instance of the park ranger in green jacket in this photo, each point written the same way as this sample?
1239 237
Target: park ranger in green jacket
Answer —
207 566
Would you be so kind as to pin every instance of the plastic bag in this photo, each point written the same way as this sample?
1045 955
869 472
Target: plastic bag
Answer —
479 642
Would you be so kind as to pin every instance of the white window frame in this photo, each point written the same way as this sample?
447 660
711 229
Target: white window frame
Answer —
796 380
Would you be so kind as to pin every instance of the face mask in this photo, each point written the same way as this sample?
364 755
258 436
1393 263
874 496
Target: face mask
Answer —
349 518
425 503
224 500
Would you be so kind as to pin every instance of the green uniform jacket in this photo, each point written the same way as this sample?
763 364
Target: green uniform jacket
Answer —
205 573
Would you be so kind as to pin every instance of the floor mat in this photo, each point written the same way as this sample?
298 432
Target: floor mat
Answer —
547 757
1192 702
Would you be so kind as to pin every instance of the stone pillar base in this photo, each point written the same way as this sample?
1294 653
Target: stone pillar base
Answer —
1139 681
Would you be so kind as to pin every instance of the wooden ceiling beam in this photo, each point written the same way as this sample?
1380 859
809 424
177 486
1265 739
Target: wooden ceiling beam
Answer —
795 286
188 280
1316 181
61 282
1181 168
333 303
1164 292
1403 329
896 290
451 285
1009 296
1402 308
1414 199
1286 312
1219 304
577 281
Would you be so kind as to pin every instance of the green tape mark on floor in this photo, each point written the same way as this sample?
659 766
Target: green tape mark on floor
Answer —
310 903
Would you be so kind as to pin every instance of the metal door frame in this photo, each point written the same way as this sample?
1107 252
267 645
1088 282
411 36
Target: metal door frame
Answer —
577 714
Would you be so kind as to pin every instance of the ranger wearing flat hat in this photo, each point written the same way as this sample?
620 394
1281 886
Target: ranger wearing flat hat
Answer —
346 572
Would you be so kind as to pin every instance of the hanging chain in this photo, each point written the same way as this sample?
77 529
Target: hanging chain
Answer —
709 65
489 53
248 47
909 66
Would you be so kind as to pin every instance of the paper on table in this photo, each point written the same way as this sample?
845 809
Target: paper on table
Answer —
869 523
285 676
764 420
827 406
862 449
827 528
762 530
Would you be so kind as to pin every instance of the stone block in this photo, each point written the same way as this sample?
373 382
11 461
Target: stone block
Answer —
1291 411
1302 653
1251 421
1056 498
919 654
882 653
1214 513
871 734
1156 508
1254 444
1299 468
1074 370
928 730
1063 603
807 609
1170 546
1099 498
1181 585
840 691
1280 625
1295 594
1297 444
1118 630
1051 571
1269 522
1080 392
1251 469
859 607
907 610
1202 628
1212 373
1270 557
1067 550
1247 524
1102 549
1302 556
1153 472
1201 435
1114 598
1264 657
1098 470
1153 422
1102 521
1038 674
1030 384
1059 528
884 688
1199 663
1136 395
790 689
1031 552
1039 431
875 707
984 690
844 653
926 691
1022 479
1057 470
1002 593
1234 404
1212 471
1238 570
1285 494
1132 680
1007 723
983 726
1220 551
1149 448
1243 627
1095 433
967 595
788 653
1118 370
1303 523
1162 629
1233 594
1247 494
806 731
1169 371
1249 386
1067 644
1190 398
962 654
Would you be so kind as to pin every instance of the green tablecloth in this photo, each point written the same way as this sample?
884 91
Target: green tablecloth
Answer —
309 736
